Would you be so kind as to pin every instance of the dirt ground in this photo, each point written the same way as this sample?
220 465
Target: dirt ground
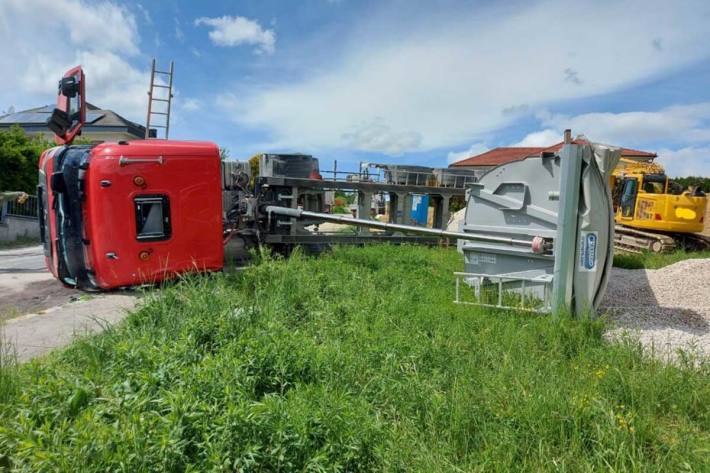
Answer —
39 314
34 297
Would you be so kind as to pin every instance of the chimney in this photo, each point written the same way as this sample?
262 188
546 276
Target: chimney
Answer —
568 136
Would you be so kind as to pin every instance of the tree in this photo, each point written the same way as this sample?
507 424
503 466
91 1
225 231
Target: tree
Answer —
349 197
695 181
19 155
254 167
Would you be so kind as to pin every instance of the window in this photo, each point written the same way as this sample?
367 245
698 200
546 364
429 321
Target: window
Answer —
628 197
152 217
654 183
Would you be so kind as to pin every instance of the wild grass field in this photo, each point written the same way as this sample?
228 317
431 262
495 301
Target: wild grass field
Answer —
357 360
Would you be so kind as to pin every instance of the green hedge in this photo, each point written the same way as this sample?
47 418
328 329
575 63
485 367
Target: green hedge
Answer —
19 155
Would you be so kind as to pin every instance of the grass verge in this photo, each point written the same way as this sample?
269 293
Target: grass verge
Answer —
353 361
20 242
649 260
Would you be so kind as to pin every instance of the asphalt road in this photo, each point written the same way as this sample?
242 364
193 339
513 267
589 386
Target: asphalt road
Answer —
39 314
22 260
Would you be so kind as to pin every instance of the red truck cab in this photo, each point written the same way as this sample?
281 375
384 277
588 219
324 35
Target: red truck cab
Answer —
127 213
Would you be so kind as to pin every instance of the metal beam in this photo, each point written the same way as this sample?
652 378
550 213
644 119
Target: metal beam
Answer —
566 239
298 213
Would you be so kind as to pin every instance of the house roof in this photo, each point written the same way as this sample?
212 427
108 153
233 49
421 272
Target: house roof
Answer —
97 119
497 156
625 152
503 155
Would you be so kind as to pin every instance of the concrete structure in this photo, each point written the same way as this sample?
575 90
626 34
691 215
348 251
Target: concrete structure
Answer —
101 125
13 227
484 162
19 220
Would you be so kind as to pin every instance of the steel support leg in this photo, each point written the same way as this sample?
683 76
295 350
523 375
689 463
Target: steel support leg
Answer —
566 237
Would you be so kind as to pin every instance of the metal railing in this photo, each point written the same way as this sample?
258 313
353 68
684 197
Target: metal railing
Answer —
402 177
28 209
524 298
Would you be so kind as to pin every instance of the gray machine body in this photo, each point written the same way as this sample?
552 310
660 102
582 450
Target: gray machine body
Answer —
301 166
521 200
454 177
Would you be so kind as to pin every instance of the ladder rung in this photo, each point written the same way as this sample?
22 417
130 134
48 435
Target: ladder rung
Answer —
160 100
157 126
162 86
162 72
157 113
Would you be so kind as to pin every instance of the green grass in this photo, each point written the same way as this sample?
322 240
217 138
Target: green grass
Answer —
18 243
353 361
649 260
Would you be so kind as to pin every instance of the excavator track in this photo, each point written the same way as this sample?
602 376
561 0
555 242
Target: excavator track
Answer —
633 240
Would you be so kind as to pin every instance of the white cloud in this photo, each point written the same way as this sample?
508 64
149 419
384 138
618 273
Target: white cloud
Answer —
227 101
473 150
378 136
679 124
542 138
191 105
459 73
93 26
146 14
46 41
237 30
179 35
685 129
688 161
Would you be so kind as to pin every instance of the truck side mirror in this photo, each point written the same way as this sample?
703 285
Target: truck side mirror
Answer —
70 114
69 87
59 122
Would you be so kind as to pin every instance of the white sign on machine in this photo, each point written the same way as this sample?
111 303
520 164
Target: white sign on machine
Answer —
588 243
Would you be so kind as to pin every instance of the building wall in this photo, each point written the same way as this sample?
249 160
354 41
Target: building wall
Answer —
12 227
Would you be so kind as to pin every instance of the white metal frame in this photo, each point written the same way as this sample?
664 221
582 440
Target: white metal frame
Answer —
502 278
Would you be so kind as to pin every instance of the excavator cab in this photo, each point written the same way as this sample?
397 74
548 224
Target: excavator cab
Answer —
627 197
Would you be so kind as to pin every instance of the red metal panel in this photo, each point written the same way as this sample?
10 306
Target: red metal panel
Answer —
46 166
189 175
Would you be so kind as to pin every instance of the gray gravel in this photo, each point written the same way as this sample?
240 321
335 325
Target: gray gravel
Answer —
666 309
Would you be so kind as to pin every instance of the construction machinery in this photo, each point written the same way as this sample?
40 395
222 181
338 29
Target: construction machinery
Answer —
130 213
654 213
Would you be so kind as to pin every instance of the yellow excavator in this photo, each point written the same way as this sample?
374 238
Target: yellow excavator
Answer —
654 213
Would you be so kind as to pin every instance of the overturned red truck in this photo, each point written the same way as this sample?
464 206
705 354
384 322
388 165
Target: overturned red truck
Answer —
136 212
125 213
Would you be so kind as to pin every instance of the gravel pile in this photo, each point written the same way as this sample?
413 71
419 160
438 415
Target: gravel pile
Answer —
666 309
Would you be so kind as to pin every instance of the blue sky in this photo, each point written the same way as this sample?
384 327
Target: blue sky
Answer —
386 81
